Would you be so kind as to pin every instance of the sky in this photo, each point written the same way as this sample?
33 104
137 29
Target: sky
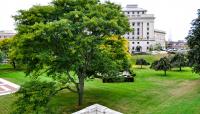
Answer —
172 16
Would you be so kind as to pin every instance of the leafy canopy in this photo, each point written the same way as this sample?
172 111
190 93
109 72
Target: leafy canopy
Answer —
1 56
162 64
35 98
72 40
179 60
193 40
141 62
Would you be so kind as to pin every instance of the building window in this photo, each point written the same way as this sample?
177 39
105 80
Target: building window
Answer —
147 37
128 37
138 12
138 37
147 33
133 23
147 42
138 23
127 12
143 12
133 32
138 31
147 28
133 37
133 48
147 24
4 36
128 33
133 42
147 48
133 12
138 42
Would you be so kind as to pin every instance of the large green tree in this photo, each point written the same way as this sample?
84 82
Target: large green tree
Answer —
72 40
193 41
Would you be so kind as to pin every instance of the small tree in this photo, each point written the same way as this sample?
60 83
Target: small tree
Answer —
179 60
6 47
141 62
162 64
151 47
158 47
1 56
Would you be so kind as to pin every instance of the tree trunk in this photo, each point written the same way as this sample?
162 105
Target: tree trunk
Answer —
165 72
14 65
80 91
180 67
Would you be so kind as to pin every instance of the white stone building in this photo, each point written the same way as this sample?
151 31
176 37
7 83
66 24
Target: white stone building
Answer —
144 36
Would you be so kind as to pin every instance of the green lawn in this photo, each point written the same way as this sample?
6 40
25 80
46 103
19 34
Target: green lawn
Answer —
151 93
148 58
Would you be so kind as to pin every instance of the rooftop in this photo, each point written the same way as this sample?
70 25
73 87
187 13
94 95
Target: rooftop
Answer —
133 7
160 31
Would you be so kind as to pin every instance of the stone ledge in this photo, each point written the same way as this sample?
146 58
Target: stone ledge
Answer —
97 109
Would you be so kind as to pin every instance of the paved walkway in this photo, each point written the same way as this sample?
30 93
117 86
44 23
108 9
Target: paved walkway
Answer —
7 87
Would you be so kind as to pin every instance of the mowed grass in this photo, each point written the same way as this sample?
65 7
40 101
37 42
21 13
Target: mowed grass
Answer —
151 93
148 58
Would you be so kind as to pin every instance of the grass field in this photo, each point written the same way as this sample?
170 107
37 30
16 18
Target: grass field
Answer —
151 93
148 58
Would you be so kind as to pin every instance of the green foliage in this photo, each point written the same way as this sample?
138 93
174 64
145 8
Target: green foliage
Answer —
151 47
81 36
8 49
33 97
157 47
193 40
1 56
4 48
162 64
5 45
141 62
179 60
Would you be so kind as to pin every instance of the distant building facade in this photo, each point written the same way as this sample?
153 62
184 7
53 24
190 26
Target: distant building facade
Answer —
6 34
144 36
180 44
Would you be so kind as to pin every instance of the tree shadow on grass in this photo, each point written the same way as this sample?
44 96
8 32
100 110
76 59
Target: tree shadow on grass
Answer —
176 70
120 100
68 100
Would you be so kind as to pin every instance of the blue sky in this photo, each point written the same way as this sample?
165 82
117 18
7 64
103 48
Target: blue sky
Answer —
172 16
